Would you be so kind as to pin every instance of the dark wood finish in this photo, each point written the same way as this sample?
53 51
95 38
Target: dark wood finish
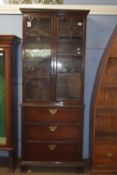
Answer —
104 112
42 114
52 152
8 47
53 131
53 86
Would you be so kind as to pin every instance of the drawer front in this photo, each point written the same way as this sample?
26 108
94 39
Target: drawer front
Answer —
53 131
106 154
59 152
52 114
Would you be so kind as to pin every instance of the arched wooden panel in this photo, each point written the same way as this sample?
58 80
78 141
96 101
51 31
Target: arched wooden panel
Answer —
104 111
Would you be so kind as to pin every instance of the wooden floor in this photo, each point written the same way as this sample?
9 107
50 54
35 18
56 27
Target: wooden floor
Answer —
5 171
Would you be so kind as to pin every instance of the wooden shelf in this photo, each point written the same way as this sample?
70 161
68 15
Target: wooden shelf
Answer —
112 57
37 77
106 111
109 85
102 140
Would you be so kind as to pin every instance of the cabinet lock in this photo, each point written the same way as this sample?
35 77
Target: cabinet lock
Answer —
52 128
52 147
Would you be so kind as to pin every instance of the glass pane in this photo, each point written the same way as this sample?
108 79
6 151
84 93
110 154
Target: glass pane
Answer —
37 63
2 101
68 87
69 39
69 58
37 67
68 64
70 26
37 88
69 46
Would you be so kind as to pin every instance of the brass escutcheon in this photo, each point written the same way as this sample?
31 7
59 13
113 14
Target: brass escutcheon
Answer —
52 147
52 128
53 111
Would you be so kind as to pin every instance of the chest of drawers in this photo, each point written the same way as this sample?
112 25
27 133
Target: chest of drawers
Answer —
52 134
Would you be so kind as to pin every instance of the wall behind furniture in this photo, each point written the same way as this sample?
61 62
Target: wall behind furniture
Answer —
106 2
99 29
84 2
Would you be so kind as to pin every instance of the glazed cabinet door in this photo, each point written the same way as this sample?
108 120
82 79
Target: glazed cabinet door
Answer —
3 115
69 58
8 96
37 61
53 63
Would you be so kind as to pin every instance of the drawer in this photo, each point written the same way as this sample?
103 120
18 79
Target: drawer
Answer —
52 114
106 155
50 131
67 152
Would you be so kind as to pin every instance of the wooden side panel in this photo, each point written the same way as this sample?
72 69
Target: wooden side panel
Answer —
104 111
8 95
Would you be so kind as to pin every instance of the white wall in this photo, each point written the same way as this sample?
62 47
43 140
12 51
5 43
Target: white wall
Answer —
106 2
83 2
99 29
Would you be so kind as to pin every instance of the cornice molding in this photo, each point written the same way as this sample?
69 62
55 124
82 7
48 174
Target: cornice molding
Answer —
94 9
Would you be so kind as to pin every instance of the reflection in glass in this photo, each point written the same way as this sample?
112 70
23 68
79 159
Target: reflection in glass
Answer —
69 46
69 58
2 101
68 87
37 63
70 27
43 53
68 64
37 89
38 47
38 67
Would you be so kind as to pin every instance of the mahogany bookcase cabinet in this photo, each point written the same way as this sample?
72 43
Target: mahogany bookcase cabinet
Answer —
53 86
8 95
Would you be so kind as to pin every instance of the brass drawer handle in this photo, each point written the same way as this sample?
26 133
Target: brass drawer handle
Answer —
52 147
52 128
53 111
109 154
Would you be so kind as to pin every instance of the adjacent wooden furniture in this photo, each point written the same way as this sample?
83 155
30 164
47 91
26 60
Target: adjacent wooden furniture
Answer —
104 112
53 86
8 95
